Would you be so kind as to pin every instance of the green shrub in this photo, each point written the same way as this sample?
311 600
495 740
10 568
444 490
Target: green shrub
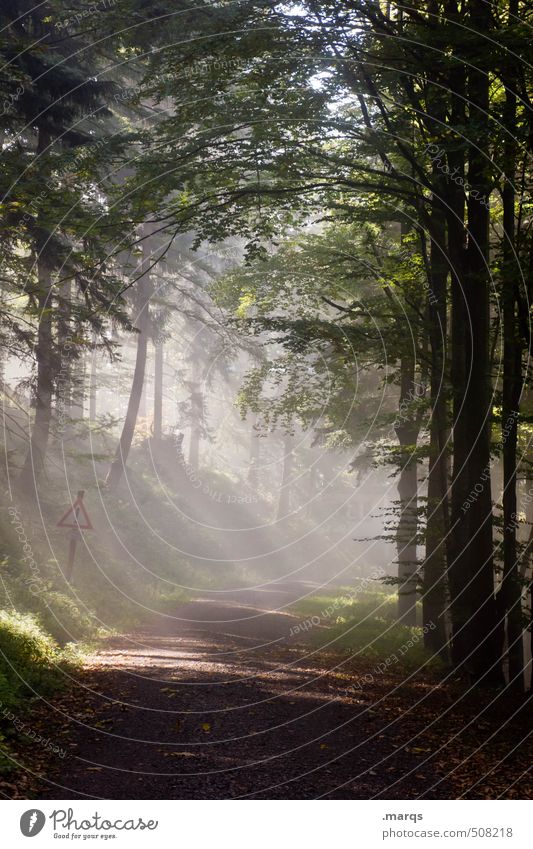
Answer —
65 619
28 659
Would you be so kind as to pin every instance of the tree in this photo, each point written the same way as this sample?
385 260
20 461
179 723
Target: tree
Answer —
415 105
49 222
142 294
339 302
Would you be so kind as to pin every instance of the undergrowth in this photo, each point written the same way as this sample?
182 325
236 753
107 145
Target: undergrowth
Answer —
362 624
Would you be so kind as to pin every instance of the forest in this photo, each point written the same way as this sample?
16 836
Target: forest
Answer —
266 497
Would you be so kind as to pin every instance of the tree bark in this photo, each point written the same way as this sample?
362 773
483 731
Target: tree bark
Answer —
197 402
255 458
434 600
158 392
144 292
454 199
64 378
93 382
483 661
407 429
437 530
35 457
512 389
284 501
78 385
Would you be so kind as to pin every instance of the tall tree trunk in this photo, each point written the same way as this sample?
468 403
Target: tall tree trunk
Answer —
482 625
454 201
3 346
34 462
63 381
197 402
78 377
525 574
35 457
158 392
407 429
143 411
437 530
512 389
93 381
78 383
255 458
144 291
531 627
284 501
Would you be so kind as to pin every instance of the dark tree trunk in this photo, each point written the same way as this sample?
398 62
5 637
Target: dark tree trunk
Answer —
407 428
44 355
78 383
454 200
512 389
437 530
481 628
35 457
3 348
63 382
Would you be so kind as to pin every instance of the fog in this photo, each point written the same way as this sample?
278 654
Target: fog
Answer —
241 498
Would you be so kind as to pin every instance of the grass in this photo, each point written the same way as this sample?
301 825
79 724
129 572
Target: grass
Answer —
31 664
346 603
363 624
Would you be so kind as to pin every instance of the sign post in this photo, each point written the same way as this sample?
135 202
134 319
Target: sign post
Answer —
76 519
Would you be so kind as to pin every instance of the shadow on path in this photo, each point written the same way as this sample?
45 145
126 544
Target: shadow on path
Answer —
218 703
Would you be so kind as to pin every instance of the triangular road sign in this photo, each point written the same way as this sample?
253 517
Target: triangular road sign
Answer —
76 516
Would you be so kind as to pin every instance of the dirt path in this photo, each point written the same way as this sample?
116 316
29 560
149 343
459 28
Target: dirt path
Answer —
221 703
218 704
